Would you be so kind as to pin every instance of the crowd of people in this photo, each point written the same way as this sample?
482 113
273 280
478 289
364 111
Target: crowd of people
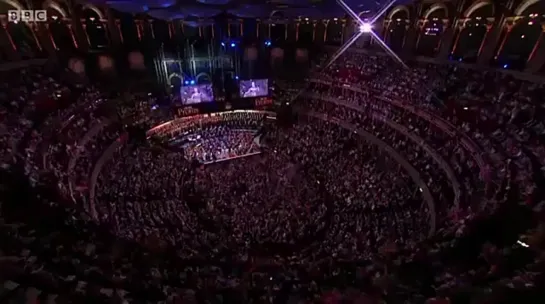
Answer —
219 143
322 212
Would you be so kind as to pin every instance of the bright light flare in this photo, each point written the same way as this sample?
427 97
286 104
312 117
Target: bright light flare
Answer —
366 28
382 11
387 49
342 49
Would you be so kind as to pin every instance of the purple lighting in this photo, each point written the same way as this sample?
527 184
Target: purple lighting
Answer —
365 27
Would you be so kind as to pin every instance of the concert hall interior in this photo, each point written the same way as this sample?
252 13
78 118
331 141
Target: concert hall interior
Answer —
272 151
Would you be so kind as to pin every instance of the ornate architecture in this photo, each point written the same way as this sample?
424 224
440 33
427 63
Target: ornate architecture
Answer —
506 33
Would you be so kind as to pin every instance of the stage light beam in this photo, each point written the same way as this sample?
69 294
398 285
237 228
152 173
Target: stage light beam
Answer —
382 11
343 48
387 49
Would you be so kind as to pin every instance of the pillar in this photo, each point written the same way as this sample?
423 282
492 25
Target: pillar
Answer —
379 31
78 30
7 44
286 25
85 34
409 41
537 57
177 30
139 30
152 30
113 29
45 37
347 30
458 30
492 40
489 28
229 28
120 32
75 41
447 40
326 23
386 31
257 23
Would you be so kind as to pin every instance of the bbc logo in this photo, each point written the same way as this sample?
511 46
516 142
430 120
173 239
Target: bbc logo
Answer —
27 15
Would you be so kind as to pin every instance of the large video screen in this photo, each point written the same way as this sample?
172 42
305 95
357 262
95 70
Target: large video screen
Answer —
196 94
254 88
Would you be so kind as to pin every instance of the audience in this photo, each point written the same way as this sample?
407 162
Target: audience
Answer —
238 208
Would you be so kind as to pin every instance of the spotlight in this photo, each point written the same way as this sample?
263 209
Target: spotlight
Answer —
186 82
233 44
236 77
223 44
192 81
365 28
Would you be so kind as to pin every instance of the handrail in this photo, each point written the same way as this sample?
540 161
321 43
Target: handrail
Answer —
107 155
21 64
516 74
439 122
415 175
95 129
417 139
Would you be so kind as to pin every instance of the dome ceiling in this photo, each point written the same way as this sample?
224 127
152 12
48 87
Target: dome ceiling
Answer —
201 9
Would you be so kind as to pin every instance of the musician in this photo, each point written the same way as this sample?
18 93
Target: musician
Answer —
253 91
196 97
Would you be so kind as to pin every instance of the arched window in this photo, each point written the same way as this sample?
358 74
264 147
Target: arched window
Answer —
429 39
397 30
95 29
520 42
470 40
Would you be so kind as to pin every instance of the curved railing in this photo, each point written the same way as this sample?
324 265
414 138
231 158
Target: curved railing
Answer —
466 142
21 64
107 155
415 138
415 175
95 129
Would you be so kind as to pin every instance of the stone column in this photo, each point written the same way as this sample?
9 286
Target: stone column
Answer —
46 39
326 23
152 30
75 41
177 29
86 35
78 30
497 36
489 45
313 30
347 31
113 29
120 32
34 30
447 40
537 57
139 31
458 29
410 39
386 31
7 44
379 31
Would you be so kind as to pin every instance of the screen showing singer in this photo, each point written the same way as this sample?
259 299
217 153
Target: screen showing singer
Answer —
197 94
254 88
